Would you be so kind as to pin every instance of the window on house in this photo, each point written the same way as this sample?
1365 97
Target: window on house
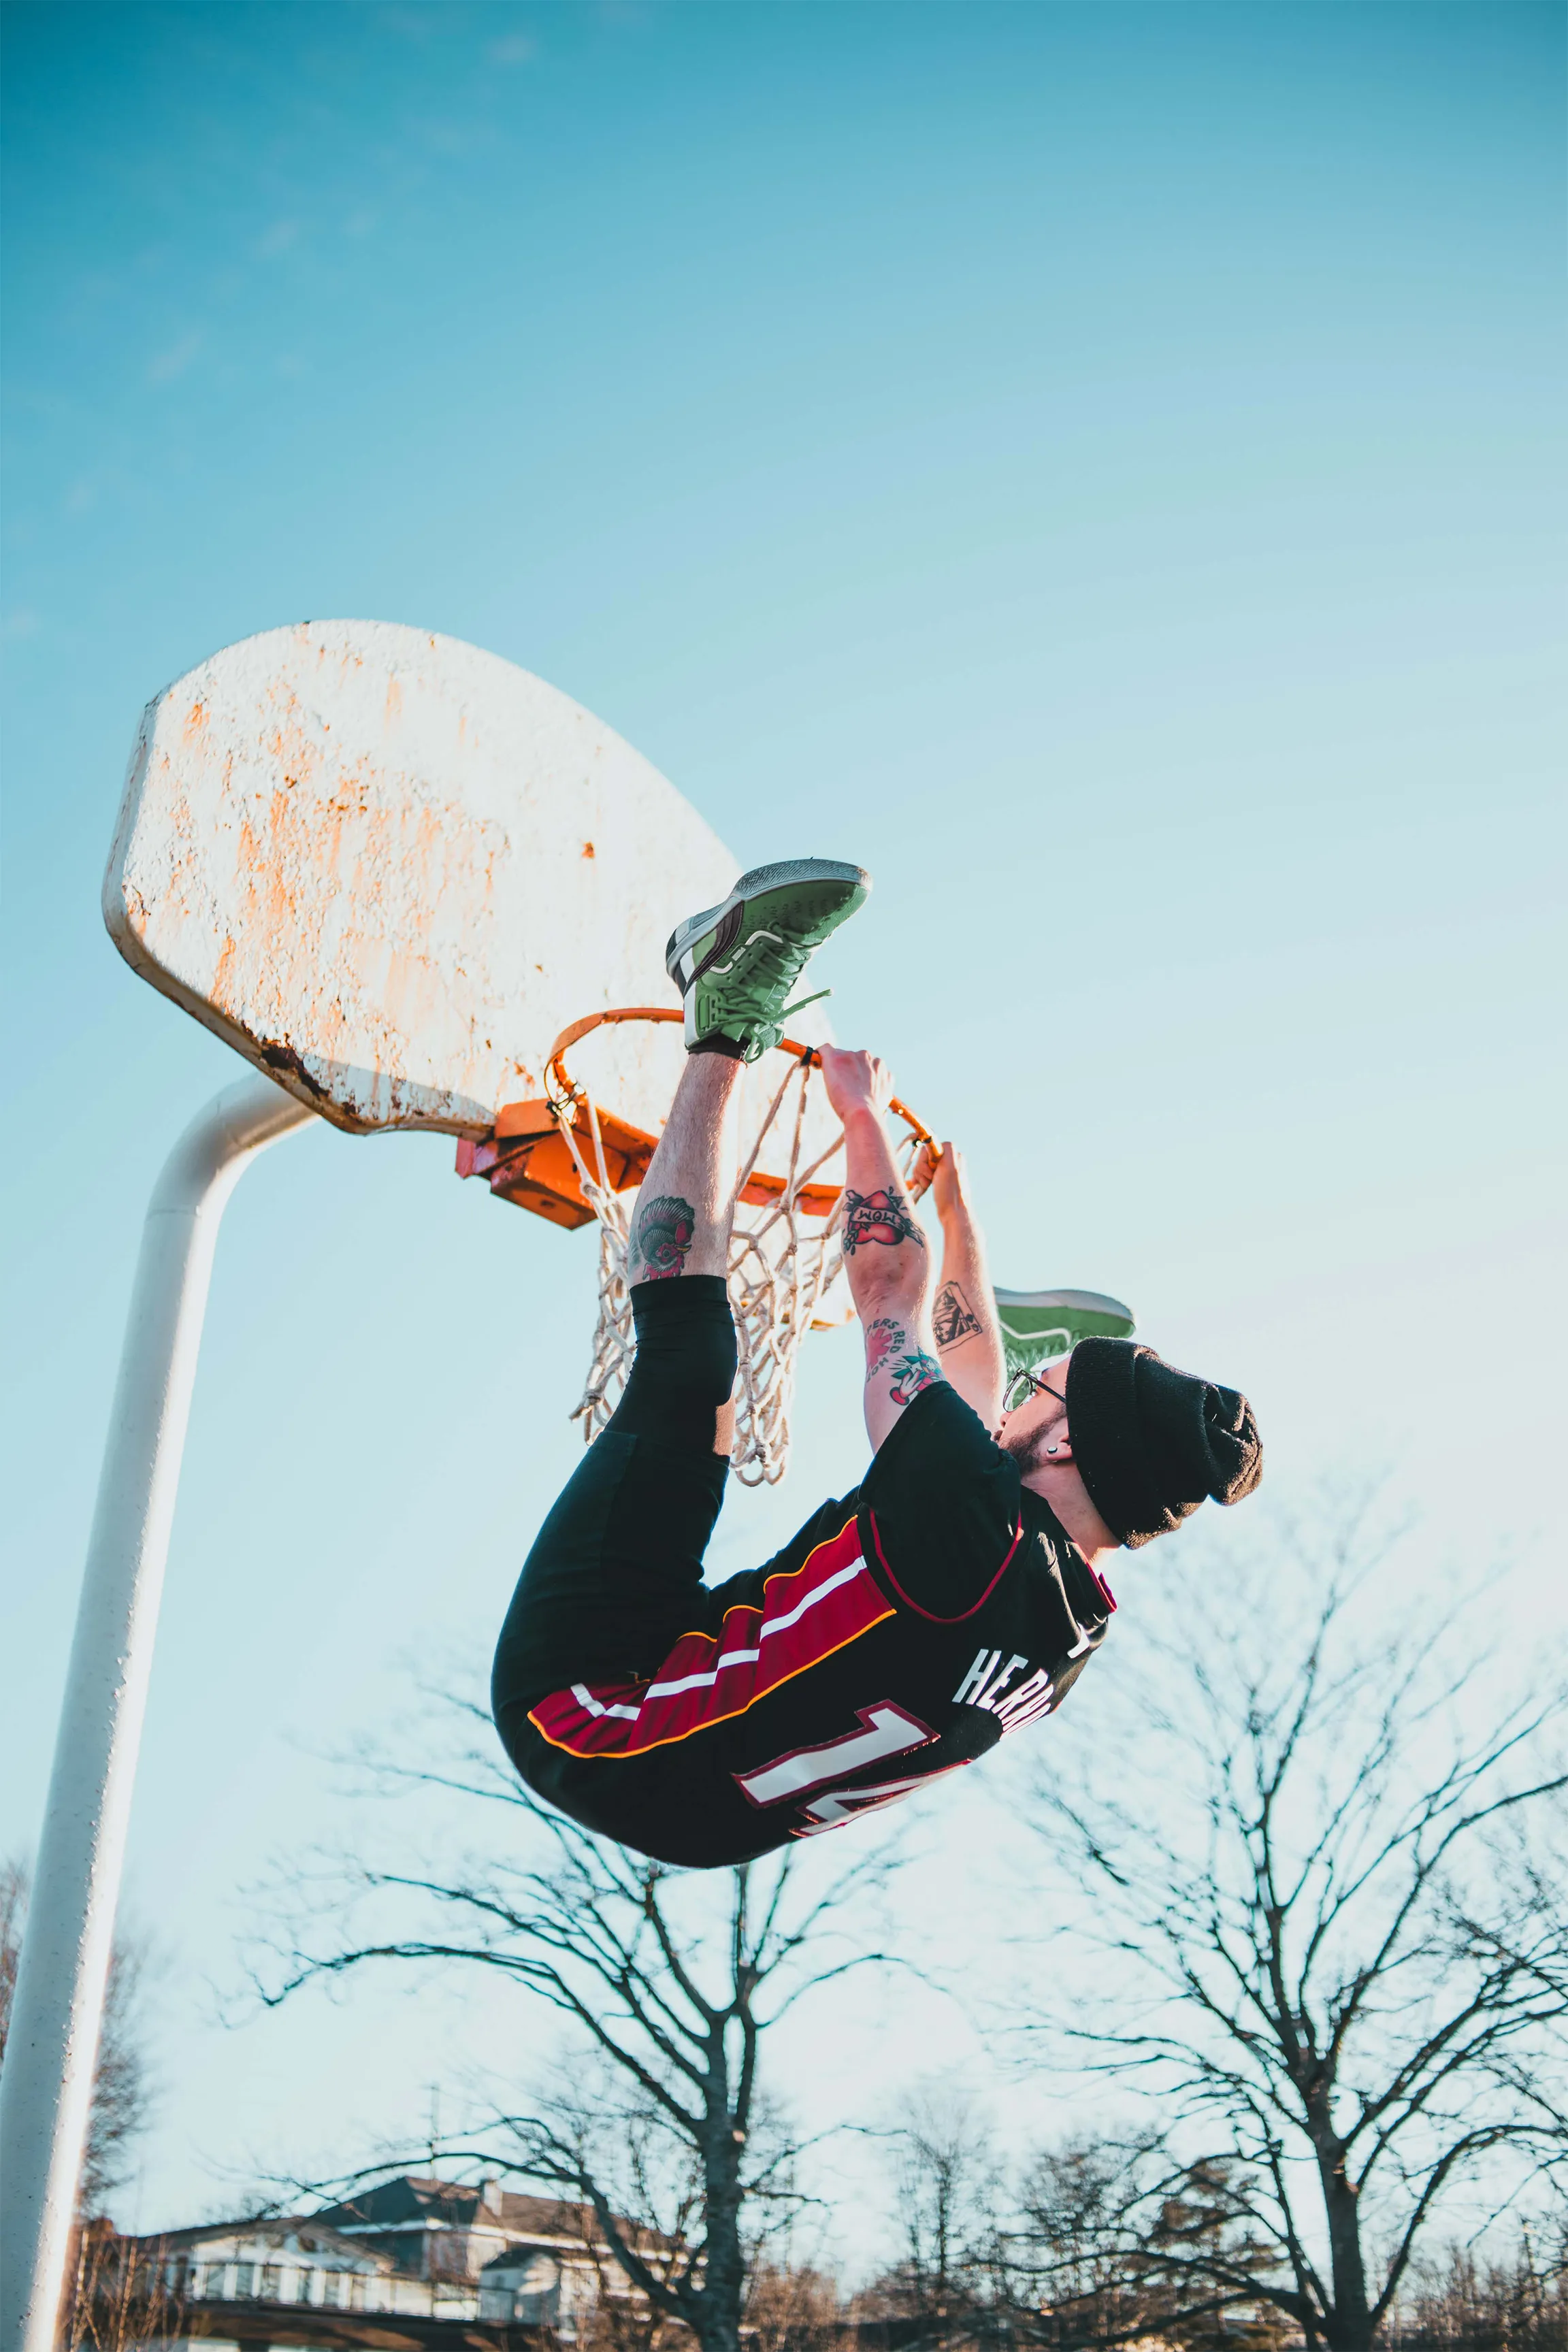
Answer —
244 2280
332 2285
271 2281
212 2279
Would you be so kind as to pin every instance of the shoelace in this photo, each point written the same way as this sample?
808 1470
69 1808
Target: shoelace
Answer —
781 965
801 1003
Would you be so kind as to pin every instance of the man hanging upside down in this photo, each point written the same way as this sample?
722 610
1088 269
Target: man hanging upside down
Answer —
953 1597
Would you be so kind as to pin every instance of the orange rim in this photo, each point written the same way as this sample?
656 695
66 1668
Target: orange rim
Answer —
563 1089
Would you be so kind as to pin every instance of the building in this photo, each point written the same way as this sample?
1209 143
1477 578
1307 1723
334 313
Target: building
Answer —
415 2261
534 2259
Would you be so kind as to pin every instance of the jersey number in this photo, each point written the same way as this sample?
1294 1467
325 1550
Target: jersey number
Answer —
885 1730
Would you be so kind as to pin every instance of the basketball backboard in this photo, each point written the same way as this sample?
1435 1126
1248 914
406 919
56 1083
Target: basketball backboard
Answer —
390 868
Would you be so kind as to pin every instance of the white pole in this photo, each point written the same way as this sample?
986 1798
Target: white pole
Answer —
51 2047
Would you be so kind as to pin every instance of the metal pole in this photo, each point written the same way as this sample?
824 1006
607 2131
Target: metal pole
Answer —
46 2082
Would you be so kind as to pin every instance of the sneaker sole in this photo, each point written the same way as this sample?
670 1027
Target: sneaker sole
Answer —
761 879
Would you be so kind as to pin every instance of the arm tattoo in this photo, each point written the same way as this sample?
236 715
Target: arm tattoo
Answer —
913 1370
881 1338
662 1236
954 1318
881 1217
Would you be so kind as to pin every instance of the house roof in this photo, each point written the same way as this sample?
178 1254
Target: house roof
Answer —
547 2217
406 2205
413 2201
272 2229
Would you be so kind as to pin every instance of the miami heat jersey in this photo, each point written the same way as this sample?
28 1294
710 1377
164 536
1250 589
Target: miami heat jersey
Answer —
904 1631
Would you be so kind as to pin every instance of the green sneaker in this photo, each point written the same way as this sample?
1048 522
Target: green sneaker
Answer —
735 964
1039 1325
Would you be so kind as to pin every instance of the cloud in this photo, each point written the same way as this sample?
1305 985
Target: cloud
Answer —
278 238
172 362
513 49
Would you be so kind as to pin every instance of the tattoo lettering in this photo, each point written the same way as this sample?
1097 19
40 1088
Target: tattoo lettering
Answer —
954 1318
664 1233
913 1372
881 1338
881 1217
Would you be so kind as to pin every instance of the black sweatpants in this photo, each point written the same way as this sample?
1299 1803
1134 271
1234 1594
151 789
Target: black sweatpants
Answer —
617 1569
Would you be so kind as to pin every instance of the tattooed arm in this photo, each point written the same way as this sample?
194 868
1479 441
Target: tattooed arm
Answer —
968 1336
885 1254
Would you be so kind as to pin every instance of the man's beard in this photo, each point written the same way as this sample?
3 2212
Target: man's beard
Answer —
1028 1446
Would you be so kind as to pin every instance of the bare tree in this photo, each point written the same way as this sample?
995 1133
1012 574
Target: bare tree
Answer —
1519 2304
1114 2244
1076 2237
947 2199
1066 2254
117 2298
670 1982
120 2095
793 2307
1327 1921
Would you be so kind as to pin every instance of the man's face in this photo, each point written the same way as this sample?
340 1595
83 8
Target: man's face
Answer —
1036 1433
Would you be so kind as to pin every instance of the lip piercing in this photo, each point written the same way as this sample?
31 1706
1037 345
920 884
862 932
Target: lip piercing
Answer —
1051 1449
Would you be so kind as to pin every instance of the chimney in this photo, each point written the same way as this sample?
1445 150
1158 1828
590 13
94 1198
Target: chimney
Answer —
490 2195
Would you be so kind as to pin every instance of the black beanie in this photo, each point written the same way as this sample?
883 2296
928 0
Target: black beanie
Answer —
1152 1442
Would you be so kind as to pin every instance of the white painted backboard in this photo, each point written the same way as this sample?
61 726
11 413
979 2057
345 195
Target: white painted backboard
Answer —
390 868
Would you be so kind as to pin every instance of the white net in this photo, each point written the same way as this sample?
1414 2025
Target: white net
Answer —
786 1266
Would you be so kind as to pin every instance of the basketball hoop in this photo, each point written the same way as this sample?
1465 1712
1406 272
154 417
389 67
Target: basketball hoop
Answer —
785 1255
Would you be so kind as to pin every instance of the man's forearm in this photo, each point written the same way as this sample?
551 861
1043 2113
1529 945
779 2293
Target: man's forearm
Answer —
968 1336
885 1254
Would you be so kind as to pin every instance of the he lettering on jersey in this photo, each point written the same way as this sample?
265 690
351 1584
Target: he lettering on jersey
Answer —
993 1685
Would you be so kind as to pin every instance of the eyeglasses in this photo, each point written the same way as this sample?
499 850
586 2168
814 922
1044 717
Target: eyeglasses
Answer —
1022 1386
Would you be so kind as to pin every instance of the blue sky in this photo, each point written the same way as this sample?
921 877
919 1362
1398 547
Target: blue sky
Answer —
1099 465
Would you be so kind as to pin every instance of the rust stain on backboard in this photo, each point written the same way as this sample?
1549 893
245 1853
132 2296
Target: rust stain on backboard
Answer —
391 868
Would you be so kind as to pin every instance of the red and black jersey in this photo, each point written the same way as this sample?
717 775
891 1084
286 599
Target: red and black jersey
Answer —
901 1632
